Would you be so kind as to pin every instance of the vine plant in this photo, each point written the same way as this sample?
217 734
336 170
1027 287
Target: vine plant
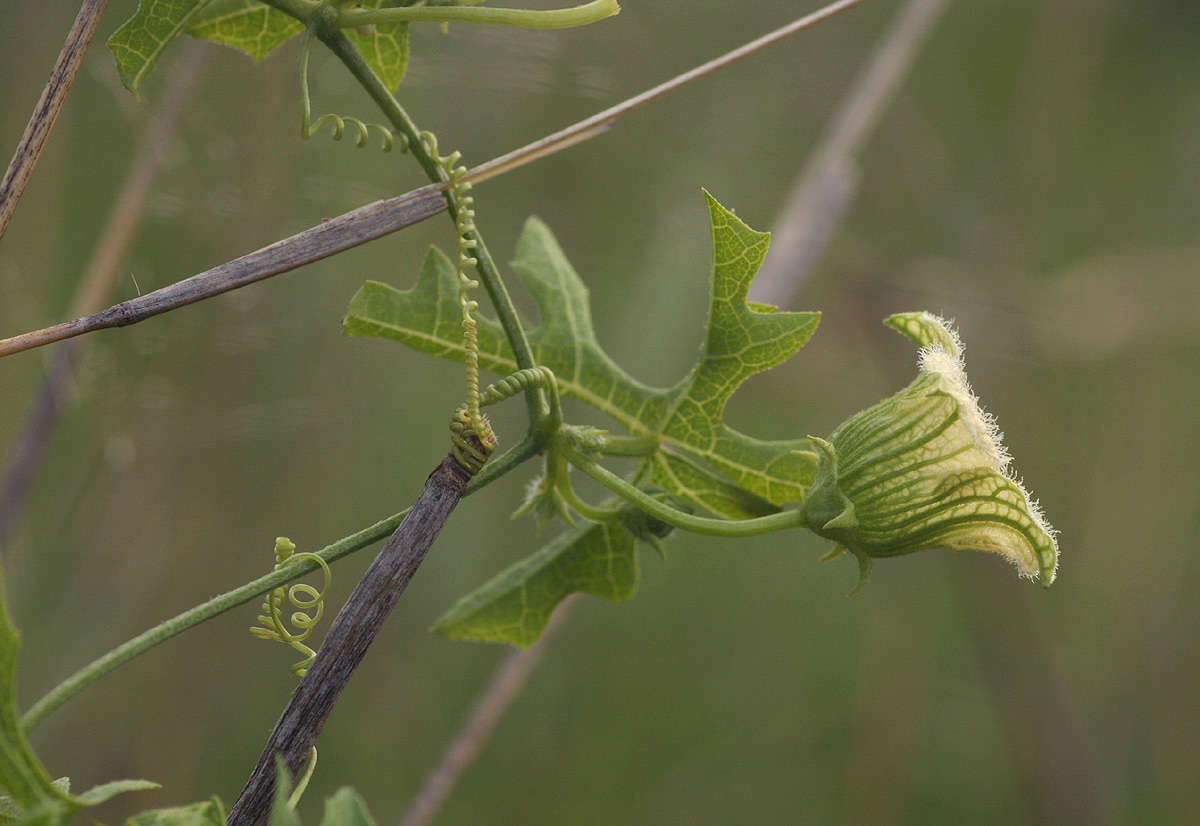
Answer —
922 469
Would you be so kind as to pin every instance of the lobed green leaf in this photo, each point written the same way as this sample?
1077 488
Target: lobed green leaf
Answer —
383 46
514 606
257 29
702 463
249 26
724 471
139 41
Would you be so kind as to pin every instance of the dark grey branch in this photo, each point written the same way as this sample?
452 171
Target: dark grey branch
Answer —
351 633
328 238
47 108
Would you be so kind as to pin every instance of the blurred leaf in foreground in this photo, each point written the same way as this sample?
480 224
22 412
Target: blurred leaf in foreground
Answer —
205 813
25 781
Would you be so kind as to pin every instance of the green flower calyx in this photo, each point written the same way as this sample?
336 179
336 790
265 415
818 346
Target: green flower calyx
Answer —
925 468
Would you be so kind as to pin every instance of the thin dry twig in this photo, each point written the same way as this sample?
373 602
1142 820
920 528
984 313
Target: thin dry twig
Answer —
508 680
96 284
823 191
47 108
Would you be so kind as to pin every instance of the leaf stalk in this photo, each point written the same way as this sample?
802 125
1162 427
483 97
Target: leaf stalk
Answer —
642 445
677 518
524 18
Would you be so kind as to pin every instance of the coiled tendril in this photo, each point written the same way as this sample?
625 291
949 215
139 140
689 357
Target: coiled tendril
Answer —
472 453
471 448
534 378
339 122
469 420
302 597
464 223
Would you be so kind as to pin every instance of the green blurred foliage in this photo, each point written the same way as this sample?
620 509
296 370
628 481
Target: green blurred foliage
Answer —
1036 179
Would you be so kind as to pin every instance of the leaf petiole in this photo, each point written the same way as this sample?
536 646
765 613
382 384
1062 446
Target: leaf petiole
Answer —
631 445
677 518
525 18
568 494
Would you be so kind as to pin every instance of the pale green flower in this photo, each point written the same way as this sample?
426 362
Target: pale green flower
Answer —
925 468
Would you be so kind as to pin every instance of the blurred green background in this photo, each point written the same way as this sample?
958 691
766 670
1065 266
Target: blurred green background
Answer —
1036 179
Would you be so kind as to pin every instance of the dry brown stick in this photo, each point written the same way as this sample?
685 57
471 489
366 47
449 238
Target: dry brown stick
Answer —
351 633
823 191
508 680
327 238
96 284
47 108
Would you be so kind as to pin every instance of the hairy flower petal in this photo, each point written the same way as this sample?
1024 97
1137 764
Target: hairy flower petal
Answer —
926 468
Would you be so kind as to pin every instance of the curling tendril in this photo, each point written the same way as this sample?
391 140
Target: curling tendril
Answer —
534 378
338 122
464 222
304 598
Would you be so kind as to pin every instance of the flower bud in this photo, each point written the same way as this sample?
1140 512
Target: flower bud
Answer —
925 468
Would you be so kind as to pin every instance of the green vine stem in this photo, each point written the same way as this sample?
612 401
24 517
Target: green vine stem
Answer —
677 518
525 18
590 512
630 445
164 631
